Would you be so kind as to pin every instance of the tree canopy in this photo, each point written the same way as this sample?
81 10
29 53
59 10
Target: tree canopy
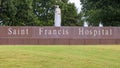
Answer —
105 11
36 12
44 9
17 13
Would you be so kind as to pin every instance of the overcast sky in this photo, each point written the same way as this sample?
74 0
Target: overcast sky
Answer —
77 4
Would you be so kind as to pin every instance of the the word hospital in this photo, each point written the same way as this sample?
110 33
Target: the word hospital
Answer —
95 32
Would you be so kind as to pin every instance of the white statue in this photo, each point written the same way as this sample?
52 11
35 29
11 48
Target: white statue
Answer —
57 20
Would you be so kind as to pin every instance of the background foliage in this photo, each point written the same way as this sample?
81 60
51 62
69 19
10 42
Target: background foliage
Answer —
105 11
36 12
41 12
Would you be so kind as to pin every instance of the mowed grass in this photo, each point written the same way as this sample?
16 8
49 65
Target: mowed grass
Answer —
60 56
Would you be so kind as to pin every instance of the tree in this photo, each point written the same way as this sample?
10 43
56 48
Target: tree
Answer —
69 15
44 9
17 13
36 12
105 11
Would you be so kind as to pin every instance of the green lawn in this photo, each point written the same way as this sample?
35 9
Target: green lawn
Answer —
60 56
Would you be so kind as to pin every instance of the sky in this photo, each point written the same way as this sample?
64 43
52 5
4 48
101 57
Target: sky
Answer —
77 4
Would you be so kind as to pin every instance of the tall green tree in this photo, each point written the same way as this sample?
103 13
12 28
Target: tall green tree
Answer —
17 13
69 15
44 9
105 11
36 12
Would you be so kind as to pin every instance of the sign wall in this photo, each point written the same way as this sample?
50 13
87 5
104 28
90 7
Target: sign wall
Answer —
59 35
